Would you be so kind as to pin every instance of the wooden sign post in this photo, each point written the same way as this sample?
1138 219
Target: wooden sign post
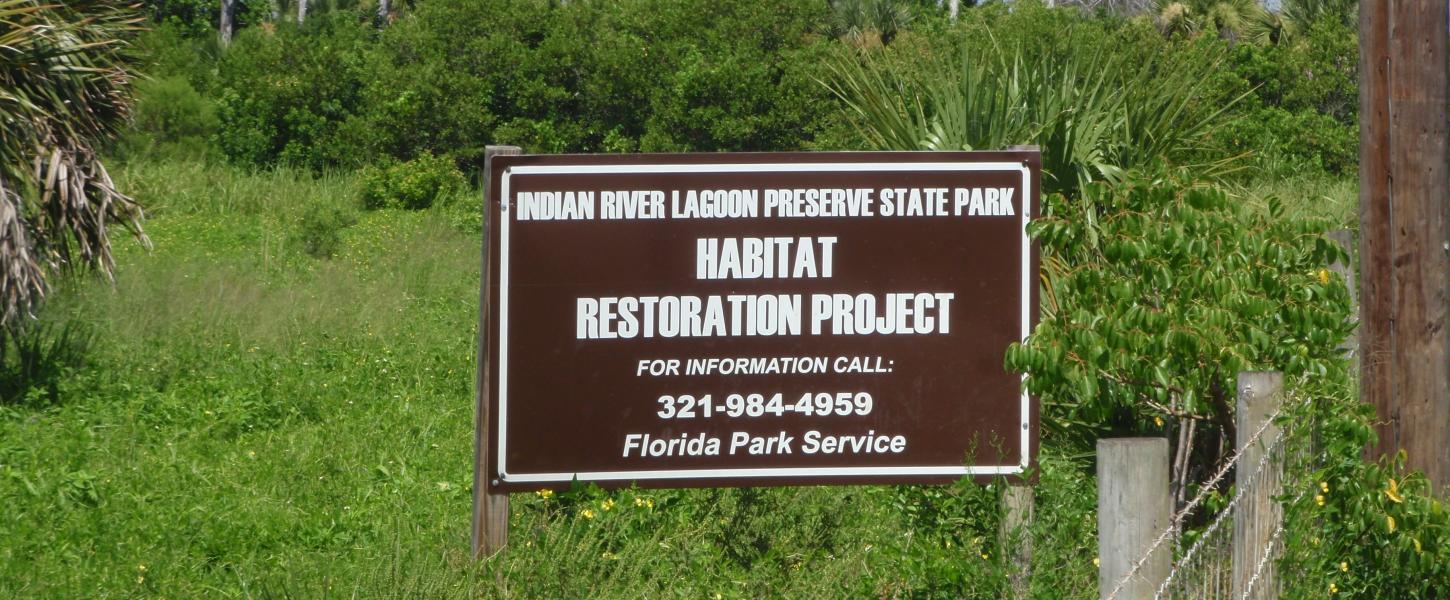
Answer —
490 510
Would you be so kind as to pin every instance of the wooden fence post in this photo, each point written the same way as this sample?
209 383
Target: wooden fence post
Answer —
1345 239
490 511
1133 510
1017 501
1257 515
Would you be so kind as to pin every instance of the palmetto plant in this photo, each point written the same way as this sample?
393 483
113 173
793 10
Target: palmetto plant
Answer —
1227 18
1300 14
1092 113
64 89
865 22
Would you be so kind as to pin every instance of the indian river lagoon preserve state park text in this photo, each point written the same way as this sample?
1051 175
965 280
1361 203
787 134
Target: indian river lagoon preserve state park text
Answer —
758 319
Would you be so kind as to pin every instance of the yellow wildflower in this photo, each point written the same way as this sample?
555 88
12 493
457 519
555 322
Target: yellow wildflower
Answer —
608 556
586 513
1390 523
1158 421
1324 486
1318 499
984 556
1418 549
1333 589
545 494
1393 492
607 504
1097 562
1323 276
1344 566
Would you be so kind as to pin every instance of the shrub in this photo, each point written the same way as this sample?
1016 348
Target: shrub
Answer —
1302 112
456 75
414 185
1091 108
37 359
1159 292
283 94
1355 528
319 230
172 50
170 118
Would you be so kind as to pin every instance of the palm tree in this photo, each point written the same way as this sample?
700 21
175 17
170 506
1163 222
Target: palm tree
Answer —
64 89
867 22
1300 14
1229 19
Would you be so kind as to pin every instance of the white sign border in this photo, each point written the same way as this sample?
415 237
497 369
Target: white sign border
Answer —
762 473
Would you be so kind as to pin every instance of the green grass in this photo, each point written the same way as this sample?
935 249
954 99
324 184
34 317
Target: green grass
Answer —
251 421
1309 196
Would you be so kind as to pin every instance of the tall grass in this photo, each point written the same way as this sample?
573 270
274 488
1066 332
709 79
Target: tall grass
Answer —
252 421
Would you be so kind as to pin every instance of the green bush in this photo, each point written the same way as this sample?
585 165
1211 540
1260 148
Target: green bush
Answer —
282 95
414 185
171 50
171 118
1302 113
456 75
1159 292
38 360
1359 529
319 230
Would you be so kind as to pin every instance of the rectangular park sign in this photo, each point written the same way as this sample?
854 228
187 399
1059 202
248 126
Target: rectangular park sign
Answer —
675 320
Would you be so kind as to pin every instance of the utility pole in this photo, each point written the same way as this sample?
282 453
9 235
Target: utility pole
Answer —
1405 259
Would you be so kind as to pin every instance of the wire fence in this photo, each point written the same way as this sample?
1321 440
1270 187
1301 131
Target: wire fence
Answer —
1233 554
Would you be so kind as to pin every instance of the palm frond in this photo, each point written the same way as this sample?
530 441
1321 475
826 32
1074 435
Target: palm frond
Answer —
64 89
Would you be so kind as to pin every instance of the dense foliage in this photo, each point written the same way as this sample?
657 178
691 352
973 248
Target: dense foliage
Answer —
1158 294
451 76
335 250
1355 528
1005 80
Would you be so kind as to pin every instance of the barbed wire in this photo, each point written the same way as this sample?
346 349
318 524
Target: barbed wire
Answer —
1176 521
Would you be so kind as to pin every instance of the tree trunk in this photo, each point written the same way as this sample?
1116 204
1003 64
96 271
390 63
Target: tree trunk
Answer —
301 10
953 7
385 7
224 28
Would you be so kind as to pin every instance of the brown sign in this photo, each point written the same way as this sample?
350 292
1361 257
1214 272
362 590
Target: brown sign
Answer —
757 319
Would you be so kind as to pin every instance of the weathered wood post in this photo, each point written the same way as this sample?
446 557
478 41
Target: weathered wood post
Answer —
1344 238
1404 266
1133 510
1017 501
490 511
1257 515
